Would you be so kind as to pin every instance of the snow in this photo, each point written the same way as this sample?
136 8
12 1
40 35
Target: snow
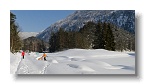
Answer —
25 35
75 61
14 62
77 19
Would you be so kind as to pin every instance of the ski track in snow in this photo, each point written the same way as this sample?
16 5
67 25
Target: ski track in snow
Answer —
22 67
44 69
25 67
65 64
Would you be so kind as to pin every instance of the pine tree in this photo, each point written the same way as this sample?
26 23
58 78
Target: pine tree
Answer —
15 41
61 39
133 43
104 38
87 33
99 40
52 42
110 44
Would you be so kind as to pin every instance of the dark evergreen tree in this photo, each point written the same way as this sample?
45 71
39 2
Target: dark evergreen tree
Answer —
15 41
61 39
133 43
104 38
110 44
88 32
78 40
71 40
12 18
99 42
53 43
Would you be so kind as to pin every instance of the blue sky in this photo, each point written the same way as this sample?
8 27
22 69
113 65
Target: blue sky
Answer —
38 20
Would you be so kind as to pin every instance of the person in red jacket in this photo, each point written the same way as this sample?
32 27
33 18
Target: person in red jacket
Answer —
23 54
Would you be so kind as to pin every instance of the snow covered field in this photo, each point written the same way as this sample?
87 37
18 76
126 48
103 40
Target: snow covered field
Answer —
75 61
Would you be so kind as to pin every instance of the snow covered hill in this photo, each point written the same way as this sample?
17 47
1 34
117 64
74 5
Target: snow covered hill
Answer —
122 18
75 61
25 35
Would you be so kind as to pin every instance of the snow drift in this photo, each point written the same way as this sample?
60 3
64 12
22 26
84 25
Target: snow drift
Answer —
75 61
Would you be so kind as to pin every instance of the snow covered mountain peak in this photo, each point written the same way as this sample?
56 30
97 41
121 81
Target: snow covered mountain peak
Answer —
122 18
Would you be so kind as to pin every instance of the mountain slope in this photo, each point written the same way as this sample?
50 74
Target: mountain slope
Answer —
122 18
25 35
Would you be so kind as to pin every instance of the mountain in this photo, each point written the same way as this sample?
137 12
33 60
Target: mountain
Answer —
25 35
122 18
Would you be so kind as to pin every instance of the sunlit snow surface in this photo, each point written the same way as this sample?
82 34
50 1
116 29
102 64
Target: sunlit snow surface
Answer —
75 61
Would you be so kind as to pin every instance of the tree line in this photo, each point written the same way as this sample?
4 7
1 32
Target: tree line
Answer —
34 44
100 35
15 41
